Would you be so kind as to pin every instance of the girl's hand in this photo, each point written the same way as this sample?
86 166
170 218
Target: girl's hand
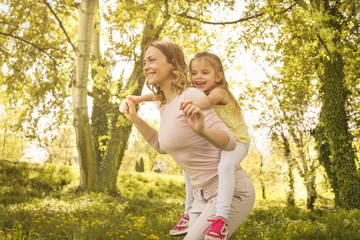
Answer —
195 118
135 99
184 103
187 107
128 108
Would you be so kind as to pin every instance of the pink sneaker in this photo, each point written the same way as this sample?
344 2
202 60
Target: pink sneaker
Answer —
181 226
217 230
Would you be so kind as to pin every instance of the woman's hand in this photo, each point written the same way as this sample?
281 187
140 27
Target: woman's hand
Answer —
195 118
127 107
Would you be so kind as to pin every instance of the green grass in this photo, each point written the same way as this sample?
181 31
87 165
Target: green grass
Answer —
35 203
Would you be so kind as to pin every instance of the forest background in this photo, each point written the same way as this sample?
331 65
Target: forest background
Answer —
293 65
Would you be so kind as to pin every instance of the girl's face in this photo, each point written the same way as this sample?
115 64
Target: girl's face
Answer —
203 74
156 67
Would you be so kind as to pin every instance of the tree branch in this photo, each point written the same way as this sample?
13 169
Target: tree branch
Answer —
30 43
305 6
5 52
302 4
219 23
166 18
323 43
61 25
39 48
230 22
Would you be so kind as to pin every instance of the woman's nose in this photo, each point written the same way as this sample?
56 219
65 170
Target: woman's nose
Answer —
146 66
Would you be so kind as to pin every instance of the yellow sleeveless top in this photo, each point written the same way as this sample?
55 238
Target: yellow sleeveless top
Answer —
233 121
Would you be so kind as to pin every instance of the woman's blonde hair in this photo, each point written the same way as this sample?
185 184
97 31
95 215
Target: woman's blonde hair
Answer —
175 56
216 63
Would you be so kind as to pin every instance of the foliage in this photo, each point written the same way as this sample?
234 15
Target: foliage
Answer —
271 221
35 61
148 207
13 141
311 47
139 148
37 54
267 173
61 146
23 181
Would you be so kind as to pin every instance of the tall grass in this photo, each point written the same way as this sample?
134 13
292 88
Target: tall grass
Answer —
36 202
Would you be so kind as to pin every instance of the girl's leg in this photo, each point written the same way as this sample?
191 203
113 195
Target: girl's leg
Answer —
183 223
189 198
229 161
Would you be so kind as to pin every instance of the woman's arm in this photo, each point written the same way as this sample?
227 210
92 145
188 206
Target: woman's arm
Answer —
128 108
219 138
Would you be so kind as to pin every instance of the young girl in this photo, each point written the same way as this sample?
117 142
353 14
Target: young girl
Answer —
207 74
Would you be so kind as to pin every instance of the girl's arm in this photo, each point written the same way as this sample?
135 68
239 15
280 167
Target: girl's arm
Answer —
128 108
216 96
143 98
218 138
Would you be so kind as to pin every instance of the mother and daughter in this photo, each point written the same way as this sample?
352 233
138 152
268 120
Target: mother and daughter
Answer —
219 193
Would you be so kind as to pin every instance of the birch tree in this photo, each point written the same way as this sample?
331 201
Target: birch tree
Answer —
84 142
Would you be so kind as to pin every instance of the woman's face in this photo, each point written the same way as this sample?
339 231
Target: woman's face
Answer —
156 67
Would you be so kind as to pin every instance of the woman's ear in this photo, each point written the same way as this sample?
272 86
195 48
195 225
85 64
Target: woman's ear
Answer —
173 65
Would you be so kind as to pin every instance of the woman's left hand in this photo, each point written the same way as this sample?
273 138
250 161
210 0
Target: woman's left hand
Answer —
195 118
127 107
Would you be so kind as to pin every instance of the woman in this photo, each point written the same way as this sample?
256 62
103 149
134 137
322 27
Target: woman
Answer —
193 141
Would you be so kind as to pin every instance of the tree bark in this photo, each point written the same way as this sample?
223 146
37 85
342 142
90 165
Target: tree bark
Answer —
311 191
291 180
342 166
333 135
100 95
306 168
108 162
79 98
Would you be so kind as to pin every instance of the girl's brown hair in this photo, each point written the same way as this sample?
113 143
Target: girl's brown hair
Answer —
175 56
216 63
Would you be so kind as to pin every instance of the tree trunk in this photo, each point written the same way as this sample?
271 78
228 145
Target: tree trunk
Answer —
108 162
100 95
334 139
291 180
119 135
84 143
306 168
341 163
262 183
310 191
324 153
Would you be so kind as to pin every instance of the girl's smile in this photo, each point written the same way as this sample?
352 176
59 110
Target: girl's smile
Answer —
203 75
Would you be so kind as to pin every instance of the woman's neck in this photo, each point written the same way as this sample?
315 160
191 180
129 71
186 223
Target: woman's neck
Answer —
168 91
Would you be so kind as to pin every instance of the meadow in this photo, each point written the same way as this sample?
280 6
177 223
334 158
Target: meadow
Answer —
39 202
